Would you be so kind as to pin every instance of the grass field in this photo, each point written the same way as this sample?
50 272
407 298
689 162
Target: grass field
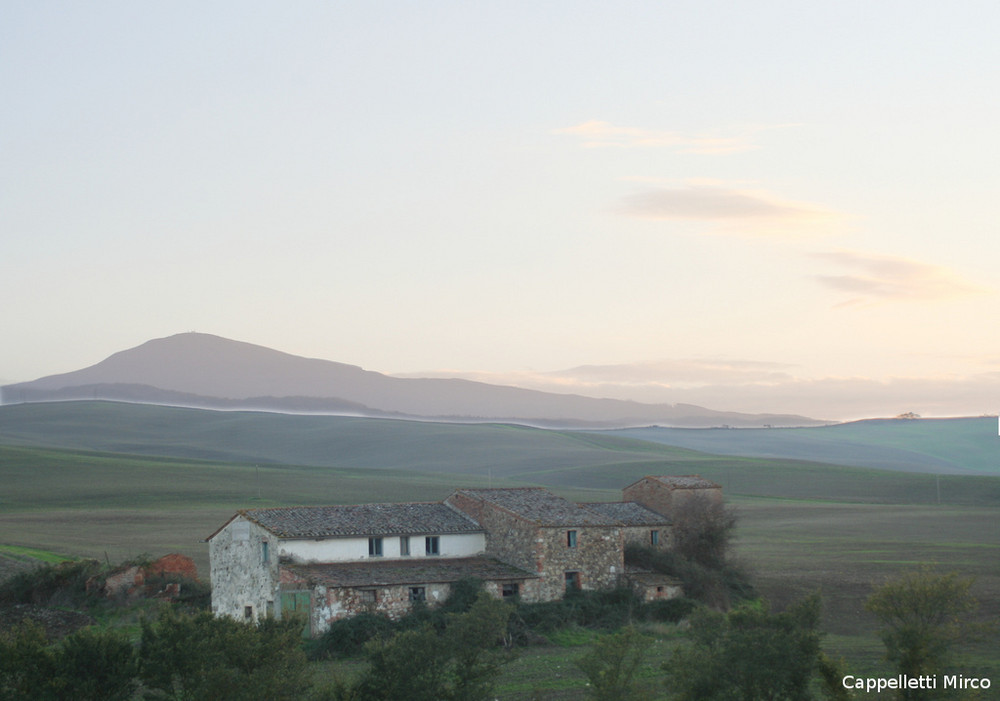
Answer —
804 525
939 446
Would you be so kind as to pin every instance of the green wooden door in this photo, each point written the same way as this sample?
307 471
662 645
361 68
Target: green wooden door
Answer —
297 603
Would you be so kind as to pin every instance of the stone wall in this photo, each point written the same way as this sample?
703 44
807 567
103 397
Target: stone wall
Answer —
665 498
509 538
598 557
640 535
240 576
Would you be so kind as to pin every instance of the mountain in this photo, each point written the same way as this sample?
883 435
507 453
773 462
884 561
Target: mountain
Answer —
202 370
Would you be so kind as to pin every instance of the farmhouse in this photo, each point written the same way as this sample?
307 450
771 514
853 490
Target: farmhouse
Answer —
330 562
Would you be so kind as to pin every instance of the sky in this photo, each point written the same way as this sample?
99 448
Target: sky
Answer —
764 207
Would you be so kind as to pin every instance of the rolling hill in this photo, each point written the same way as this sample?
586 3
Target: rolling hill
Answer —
201 370
504 453
968 446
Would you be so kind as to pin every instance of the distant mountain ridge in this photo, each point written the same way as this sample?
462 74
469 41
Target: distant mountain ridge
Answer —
207 371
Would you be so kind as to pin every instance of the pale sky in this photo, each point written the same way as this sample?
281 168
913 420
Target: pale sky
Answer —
758 206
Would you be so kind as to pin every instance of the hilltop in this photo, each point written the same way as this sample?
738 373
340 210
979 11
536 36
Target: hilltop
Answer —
206 371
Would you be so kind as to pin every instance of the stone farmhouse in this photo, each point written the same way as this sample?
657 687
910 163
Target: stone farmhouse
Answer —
330 562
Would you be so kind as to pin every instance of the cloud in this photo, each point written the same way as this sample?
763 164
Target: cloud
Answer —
871 278
597 134
674 373
734 209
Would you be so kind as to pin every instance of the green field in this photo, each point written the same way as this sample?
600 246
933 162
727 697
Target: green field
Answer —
144 480
965 446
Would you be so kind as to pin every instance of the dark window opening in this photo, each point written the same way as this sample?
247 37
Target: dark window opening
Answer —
418 594
570 539
368 596
404 545
265 554
654 537
509 591
572 580
432 544
248 612
375 547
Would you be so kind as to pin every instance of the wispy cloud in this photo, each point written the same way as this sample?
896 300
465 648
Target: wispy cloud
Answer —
597 134
735 209
674 373
873 278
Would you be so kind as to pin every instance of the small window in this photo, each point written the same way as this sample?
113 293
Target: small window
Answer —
368 596
248 612
432 545
269 609
654 537
418 594
570 539
572 581
511 590
374 547
404 545
265 554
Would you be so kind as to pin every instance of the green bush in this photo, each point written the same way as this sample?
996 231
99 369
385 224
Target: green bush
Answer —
669 610
89 665
347 636
200 656
62 584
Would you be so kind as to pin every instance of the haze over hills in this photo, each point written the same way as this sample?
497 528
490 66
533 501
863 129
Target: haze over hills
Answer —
202 370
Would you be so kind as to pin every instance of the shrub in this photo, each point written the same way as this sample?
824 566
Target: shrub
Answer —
612 663
200 656
63 583
347 637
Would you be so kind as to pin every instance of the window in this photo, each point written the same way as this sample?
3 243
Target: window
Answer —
511 590
432 545
368 596
374 547
654 537
572 581
404 545
248 612
570 539
418 594
265 556
269 609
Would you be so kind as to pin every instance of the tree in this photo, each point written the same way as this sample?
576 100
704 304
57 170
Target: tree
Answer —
194 657
27 665
89 665
460 663
702 531
752 654
612 664
923 614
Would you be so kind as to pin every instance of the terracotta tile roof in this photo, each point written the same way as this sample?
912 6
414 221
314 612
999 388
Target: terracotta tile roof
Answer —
629 513
414 518
416 571
541 506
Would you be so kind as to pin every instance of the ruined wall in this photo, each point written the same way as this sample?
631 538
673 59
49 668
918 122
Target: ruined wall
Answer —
240 576
657 592
393 601
598 557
